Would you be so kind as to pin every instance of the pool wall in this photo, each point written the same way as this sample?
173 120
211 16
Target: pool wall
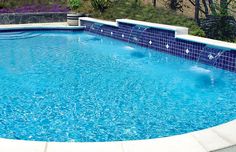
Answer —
169 39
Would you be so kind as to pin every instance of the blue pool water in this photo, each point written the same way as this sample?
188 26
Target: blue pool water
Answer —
76 86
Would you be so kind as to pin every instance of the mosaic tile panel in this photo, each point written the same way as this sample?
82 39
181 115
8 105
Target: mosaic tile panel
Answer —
165 41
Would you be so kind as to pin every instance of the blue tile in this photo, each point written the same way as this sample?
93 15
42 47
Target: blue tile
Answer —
165 41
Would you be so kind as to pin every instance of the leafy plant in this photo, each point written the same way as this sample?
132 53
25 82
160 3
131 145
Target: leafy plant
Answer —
100 5
5 5
74 4
175 4
2 5
220 27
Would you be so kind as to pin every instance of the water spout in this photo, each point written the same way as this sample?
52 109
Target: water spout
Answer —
95 26
136 33
210 58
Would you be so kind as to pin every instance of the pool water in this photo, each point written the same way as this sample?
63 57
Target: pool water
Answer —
76 86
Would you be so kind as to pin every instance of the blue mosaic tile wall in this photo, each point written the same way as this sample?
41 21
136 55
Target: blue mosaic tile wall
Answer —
165 41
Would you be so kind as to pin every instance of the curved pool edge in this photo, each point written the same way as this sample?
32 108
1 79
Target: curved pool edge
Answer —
221 138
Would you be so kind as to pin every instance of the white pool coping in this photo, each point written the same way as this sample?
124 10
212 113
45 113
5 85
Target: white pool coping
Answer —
178 29
221 138
110 23
210 42
217 139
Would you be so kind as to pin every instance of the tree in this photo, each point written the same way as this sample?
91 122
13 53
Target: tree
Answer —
205 7
197 10
223 7
212 7
216 8
220 24
175 5
154 3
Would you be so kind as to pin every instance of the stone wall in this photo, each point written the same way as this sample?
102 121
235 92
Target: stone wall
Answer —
23 18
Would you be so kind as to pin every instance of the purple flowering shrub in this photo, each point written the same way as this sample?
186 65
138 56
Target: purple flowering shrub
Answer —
35 8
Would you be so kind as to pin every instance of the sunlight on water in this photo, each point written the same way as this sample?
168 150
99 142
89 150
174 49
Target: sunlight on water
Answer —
198 69
129 48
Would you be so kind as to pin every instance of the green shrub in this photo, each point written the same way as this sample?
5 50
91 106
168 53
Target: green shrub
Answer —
74 4
220 27
2 5
197 32
5 5
100 5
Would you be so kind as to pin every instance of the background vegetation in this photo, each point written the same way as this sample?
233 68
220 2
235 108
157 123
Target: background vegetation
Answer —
216 21
205 17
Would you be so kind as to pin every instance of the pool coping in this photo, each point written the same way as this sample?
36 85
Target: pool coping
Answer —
220 138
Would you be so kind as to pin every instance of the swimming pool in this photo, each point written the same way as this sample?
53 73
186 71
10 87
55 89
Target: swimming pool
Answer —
78 86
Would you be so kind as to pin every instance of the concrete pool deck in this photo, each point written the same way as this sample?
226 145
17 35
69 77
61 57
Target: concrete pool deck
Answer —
221 138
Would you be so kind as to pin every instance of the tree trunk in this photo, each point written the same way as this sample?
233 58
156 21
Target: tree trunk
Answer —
196 14
155 3
205 7
173 4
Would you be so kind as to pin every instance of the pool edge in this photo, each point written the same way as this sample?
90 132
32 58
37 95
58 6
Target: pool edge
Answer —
215 139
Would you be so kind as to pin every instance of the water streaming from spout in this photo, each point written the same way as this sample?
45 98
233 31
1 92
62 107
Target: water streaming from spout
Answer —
136 33
208 57
217 57
95 27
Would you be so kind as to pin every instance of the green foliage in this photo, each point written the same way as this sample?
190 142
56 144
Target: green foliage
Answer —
100 5
2 5
86 7
7 4
135 3
220 27
223 7
125 9
174 4
74 4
